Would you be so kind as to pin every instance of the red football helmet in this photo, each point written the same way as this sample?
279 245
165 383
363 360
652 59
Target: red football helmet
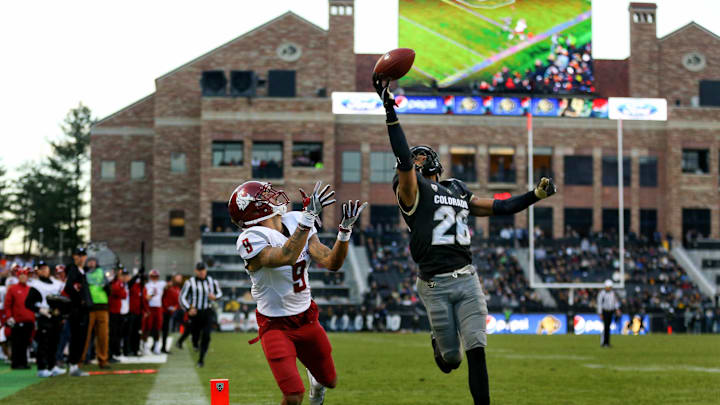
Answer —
255 201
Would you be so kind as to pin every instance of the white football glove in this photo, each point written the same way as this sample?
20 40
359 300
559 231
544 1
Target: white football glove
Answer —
314 204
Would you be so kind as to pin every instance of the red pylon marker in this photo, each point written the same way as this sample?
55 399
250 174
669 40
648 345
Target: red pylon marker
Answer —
219 392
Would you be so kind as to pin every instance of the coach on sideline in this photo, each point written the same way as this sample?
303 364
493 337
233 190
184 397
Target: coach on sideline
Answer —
608 304
76 288
196 297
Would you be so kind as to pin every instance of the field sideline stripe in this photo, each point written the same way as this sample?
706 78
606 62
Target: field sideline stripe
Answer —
177 382
476 14
441 36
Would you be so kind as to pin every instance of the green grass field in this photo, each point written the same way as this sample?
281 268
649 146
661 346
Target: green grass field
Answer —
449 36
399 369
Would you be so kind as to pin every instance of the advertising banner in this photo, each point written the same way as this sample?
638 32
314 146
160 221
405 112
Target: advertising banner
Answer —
226 320
423 104
527 324
472 105
357 103
591 324
653 109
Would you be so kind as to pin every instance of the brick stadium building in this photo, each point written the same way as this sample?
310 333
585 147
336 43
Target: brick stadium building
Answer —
163 167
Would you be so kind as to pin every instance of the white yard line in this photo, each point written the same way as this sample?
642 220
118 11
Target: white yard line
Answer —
655 368
476 14
177 382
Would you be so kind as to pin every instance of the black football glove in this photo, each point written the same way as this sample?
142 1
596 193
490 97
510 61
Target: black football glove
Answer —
545 188
383 90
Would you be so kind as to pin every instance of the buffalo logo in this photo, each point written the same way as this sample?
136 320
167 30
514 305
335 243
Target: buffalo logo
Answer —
219 386
468 104
545 106
508 105
548 325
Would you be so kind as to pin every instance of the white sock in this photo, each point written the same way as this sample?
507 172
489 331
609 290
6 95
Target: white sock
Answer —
315 384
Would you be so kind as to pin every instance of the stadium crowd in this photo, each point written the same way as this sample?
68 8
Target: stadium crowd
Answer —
121 313
568 69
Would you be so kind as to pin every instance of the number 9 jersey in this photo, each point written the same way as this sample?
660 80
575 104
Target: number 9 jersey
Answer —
439 234
280 291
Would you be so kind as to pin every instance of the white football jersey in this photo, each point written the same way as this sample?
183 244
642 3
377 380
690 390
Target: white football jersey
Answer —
281 291
155 289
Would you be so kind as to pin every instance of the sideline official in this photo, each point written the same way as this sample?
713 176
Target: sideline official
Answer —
608 304
196 297
76 287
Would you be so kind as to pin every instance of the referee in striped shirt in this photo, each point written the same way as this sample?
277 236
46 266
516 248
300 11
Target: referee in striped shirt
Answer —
196 297
608 304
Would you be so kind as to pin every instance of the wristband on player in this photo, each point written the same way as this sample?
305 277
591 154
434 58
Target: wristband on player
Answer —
344 235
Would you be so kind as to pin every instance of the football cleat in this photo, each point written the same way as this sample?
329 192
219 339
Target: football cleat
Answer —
316 395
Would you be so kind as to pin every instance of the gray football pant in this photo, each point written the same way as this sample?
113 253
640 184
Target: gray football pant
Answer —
455 306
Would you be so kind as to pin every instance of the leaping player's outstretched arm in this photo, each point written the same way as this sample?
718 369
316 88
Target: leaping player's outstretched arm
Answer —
485 207
407 186
287 254
333 259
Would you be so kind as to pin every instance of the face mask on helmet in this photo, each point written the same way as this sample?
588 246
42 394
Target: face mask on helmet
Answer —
427 160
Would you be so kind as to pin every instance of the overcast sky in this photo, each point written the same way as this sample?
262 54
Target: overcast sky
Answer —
58 53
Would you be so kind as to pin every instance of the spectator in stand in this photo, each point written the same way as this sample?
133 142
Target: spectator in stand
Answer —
20 319
172 315
138 310
76 287
119 309
99 318
155 289
48 319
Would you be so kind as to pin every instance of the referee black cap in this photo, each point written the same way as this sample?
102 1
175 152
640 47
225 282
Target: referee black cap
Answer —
200 266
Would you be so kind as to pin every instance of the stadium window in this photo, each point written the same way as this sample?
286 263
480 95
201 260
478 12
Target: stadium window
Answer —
579 220
648 171
107 170
384 216
499 222
177 223
543 219
579 170
333 10
220 219
542 163
610 220
695 161
382 167
178 162
610 171
137 169
502 165
351 167
462 160
307 154
648 223
267 160
348 10
695 222
227 153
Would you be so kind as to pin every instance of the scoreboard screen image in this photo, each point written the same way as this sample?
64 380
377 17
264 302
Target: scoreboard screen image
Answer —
535 46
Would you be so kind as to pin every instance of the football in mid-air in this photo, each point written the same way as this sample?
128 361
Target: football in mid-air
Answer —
395 64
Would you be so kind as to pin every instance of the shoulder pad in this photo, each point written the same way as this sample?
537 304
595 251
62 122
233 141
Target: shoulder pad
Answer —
458 187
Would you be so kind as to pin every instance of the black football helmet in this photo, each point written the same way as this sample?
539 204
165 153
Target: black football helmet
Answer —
431 166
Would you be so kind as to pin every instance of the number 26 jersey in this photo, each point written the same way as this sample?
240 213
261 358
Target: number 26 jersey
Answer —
439 234
284 290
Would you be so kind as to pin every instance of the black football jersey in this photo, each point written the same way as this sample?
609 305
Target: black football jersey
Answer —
439 234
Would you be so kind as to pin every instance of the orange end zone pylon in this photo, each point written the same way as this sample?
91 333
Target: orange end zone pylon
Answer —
219 392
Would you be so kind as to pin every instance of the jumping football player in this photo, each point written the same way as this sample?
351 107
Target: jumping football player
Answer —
277 248
436 213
